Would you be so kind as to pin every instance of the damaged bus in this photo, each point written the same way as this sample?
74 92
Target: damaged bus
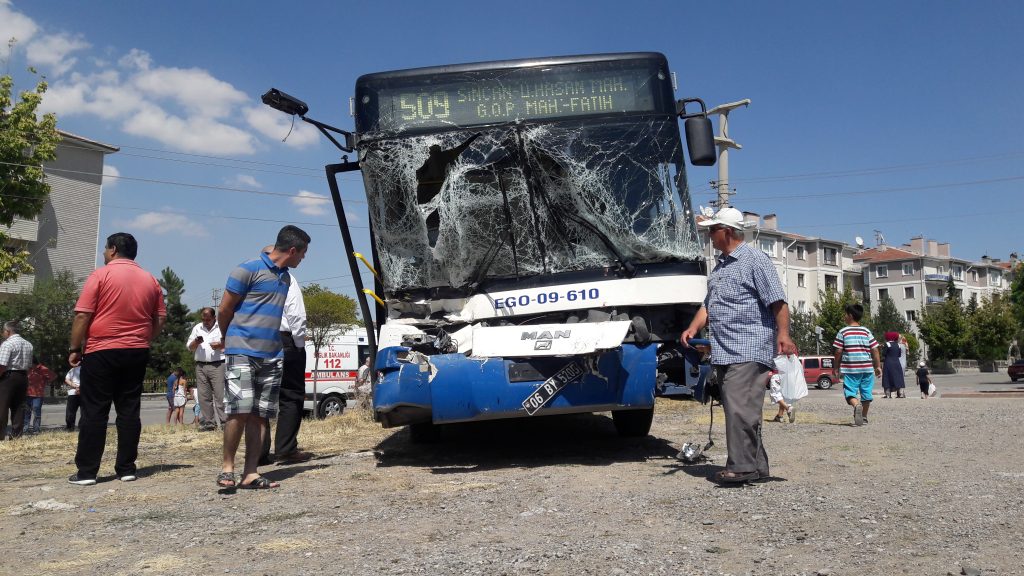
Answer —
534 251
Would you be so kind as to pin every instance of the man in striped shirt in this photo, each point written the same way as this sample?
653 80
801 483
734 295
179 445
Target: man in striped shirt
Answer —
250 320
857 360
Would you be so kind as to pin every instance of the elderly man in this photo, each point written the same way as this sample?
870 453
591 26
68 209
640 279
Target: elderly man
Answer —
749 322
120 311
15 361
206 344
250 318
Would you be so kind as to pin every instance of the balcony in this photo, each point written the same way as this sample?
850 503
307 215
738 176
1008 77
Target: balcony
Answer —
935 299
936 277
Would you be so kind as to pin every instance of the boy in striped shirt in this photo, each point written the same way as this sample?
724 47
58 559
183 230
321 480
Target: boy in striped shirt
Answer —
857 359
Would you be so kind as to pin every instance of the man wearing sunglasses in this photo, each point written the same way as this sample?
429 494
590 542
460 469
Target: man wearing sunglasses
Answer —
746 312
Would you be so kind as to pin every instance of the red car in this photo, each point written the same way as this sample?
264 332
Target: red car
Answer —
1016 370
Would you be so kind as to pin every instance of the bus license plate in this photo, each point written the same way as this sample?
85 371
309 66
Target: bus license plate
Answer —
567 375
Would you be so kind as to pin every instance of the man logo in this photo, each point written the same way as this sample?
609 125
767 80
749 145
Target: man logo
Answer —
543 339
542 345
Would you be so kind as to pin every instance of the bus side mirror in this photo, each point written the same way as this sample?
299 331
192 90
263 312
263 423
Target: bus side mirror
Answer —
700 141
700 137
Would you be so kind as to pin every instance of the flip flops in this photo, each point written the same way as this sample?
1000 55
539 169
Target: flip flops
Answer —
260 483
226 480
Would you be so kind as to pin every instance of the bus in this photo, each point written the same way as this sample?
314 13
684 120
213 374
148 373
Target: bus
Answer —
534 248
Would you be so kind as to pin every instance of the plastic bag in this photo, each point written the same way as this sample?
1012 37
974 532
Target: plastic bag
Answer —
791 371
932 390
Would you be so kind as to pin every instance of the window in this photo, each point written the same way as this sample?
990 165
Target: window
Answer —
768 246
941 292
882 271
941 269
995 278
831 282
801 254
974 275
811 363
911 315
800 281
958 272
958 293
801 305
883 293
908 268
830 255
908 293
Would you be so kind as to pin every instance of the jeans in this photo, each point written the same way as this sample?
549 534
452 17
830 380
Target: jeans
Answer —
33 406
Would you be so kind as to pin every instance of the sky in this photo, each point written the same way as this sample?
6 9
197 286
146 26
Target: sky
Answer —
897 117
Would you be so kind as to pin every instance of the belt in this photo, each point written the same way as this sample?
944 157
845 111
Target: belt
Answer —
213 362
19 371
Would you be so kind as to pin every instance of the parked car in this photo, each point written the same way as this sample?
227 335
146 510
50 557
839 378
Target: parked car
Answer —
1016 370
818 369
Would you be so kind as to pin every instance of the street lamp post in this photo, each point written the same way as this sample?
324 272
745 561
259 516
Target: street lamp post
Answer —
724 143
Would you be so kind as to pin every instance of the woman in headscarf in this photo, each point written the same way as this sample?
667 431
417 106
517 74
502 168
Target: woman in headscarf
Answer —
892 368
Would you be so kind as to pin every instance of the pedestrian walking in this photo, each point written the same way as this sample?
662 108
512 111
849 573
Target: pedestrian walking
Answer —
73 382
121 309
207 346
924 380
250 319
892 367
746 311
15 361
292 396
172 388
856 358
38 377
775 393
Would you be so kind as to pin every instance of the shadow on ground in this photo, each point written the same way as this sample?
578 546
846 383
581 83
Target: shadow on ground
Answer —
581 439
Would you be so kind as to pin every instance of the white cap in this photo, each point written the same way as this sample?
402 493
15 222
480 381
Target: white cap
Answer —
730 217
920 364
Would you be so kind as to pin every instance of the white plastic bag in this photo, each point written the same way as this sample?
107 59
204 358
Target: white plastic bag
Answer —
791 371
931 390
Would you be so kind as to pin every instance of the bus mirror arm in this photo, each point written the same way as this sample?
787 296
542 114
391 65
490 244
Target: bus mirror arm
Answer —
291 105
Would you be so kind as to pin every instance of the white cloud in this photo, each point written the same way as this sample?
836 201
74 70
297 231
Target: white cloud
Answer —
274 124
15 25
162 223
136 59
193 89
192 134
110 174
311 203
52 53
245 180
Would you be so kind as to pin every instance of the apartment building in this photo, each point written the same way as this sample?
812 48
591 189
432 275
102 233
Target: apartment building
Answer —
65 234
918 273
806 265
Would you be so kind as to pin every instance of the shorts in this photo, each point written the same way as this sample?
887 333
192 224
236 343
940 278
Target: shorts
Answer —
195 409
774 391
252 385
859 385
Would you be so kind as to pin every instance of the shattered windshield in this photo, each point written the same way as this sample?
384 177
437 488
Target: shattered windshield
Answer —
527 197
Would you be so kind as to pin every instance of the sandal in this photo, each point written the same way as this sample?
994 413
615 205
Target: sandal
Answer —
729 477
226 480
260 483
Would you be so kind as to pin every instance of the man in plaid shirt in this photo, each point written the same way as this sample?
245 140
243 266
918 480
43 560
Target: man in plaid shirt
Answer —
749 323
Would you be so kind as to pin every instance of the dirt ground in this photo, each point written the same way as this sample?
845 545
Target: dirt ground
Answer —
927 487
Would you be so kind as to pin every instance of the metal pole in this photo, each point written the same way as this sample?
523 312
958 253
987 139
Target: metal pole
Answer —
723 161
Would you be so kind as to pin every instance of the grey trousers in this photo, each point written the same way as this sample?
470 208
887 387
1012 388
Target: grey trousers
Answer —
210 382
743 387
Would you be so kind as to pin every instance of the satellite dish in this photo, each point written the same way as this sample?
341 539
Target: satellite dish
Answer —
859 241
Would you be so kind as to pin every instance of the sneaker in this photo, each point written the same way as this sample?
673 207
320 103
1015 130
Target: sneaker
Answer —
865 420
792 414
75 479
128 478
776 419
858 415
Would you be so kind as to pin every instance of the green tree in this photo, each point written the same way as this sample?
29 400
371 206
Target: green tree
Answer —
168 350
991 329
801 330
26 142
1017 301
830 313
46 313
327 315
888 319
944 328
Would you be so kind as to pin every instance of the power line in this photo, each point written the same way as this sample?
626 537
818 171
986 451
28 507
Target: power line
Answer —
902 219
884 190
220 217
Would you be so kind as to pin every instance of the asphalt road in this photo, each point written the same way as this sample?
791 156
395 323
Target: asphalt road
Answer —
154 409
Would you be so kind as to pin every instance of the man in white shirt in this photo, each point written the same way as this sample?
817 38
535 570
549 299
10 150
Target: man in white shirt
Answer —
73 380
15 360
293 381
206 343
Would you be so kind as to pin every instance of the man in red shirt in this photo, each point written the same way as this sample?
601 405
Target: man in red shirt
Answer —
121 309
38 377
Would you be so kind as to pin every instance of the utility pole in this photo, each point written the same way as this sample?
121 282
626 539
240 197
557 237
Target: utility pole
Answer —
724 143
216 298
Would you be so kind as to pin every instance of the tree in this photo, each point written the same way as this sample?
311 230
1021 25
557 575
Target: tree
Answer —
944 327
168 350
1017 300
26 142
46 313
327 315
888 319
991 329
830 314
801 330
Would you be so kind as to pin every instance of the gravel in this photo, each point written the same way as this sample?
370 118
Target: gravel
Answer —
928 487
